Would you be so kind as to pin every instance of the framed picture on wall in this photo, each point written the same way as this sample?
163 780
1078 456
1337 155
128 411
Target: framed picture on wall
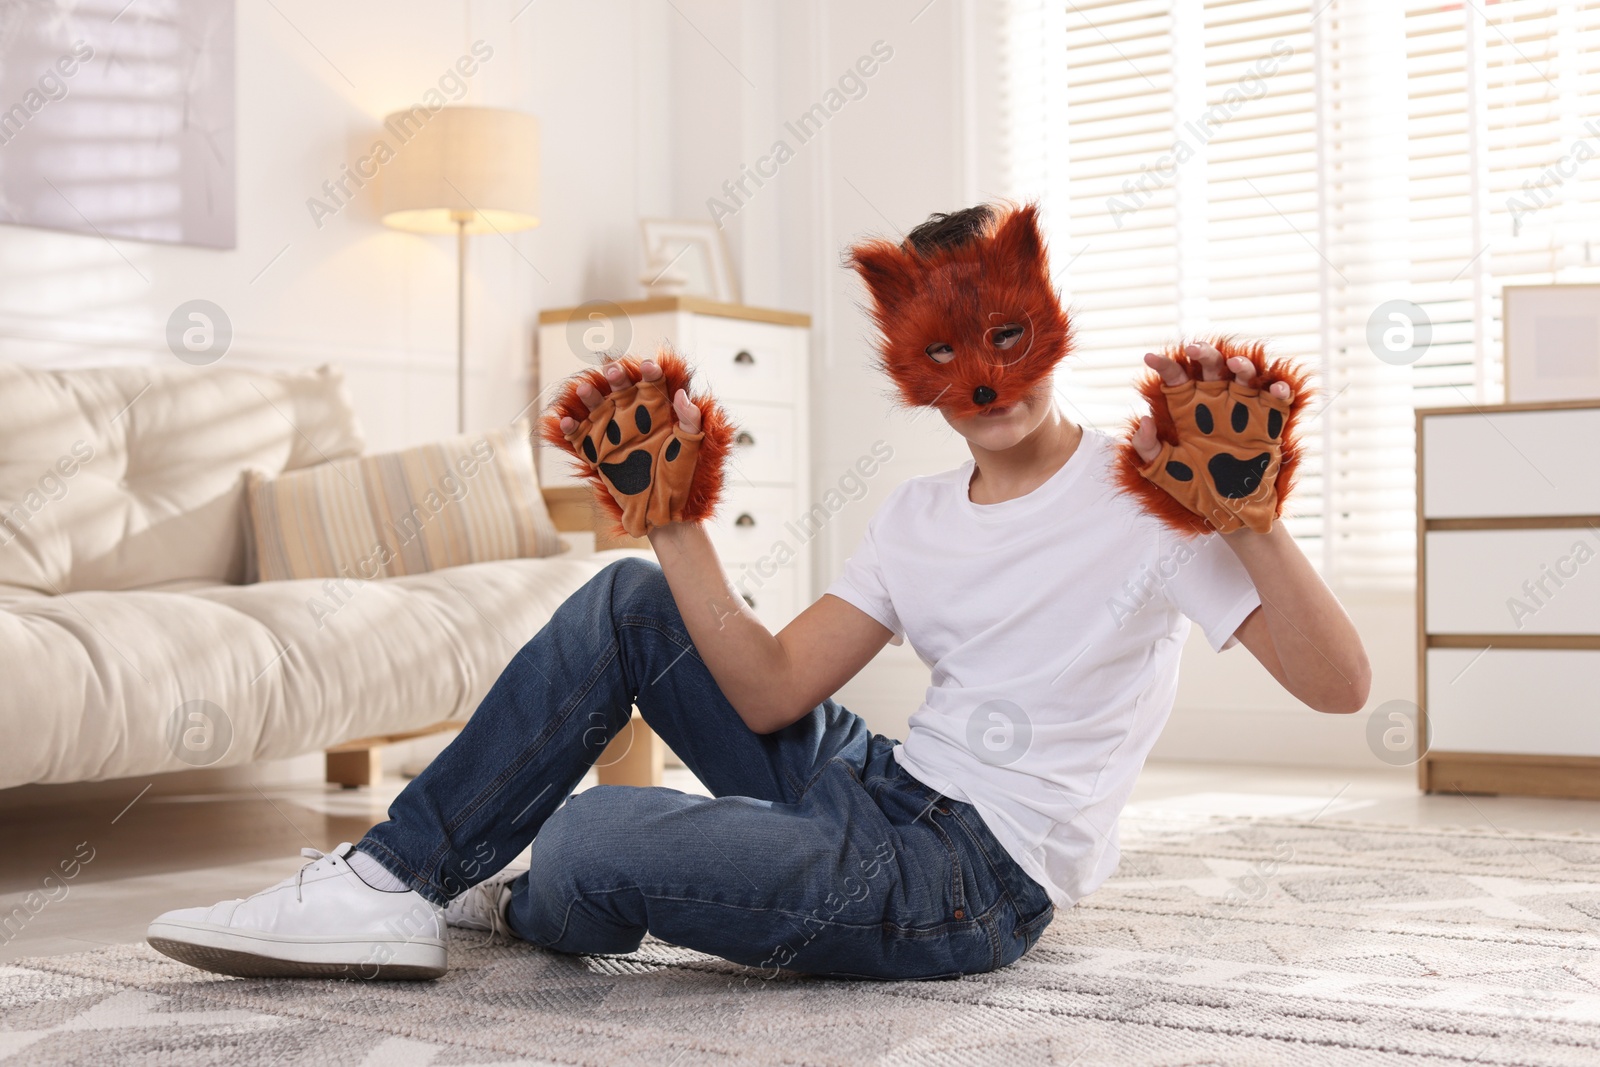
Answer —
687 258
118 122
1552 342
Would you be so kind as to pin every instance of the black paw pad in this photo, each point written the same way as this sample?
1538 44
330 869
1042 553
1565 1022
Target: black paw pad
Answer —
1241 417
632 475
673 449
1180 471
641 418
1274 423
1236 478
588 450
613 432
1202 418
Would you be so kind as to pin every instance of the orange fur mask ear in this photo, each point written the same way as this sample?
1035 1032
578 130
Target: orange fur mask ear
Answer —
965 327
1131 469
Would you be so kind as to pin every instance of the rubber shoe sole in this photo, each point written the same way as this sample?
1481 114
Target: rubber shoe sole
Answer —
223 950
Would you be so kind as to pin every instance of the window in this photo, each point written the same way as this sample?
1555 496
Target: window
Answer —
1288 168
1501 123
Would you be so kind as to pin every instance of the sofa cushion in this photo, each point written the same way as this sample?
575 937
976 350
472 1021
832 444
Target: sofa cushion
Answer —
285 667
468 499
124 477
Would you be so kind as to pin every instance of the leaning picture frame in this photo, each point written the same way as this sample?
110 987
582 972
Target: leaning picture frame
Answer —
1551 337
688 258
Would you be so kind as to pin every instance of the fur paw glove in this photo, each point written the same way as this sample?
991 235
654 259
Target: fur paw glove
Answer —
646 469
1228 450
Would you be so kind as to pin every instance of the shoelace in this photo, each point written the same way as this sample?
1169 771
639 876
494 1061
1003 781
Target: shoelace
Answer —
491 896
309 853
316 857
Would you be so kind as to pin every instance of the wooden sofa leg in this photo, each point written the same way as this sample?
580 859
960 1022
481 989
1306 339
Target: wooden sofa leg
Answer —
635 756
358 767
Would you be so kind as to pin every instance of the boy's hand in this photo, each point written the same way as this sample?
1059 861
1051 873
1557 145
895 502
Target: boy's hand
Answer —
1223 448
688 414
653 458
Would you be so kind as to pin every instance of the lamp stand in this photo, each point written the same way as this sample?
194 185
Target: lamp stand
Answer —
461 324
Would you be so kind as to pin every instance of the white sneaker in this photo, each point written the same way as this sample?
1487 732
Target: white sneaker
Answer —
483 907
325 921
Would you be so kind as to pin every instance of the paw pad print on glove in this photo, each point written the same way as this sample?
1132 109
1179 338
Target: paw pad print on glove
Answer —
636 444
1225 465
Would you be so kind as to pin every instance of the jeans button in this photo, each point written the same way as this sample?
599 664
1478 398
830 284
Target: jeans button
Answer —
960 914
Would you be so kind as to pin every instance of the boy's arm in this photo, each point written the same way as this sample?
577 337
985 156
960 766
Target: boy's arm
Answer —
1300 633
770 681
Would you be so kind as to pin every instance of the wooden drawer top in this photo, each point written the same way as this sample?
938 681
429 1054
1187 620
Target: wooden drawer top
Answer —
1496 409
698 305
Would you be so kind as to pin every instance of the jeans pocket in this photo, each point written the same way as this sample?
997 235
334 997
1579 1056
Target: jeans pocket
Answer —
1031 930
934 883
1021 907
959 898
1017 937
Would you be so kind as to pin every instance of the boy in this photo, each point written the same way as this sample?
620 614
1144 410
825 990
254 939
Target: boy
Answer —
1046 583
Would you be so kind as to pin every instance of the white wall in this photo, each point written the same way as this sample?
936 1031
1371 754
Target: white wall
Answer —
314 81
647 108
744 71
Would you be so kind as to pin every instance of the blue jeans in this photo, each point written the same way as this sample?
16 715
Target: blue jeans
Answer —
816 853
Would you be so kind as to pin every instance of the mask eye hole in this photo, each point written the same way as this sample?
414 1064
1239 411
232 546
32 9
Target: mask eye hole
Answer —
1005 337
940 352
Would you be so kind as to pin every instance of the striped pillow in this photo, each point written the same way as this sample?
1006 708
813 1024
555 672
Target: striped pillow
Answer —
464 500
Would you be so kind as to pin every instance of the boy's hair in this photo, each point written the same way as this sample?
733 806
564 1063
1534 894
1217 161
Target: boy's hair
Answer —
951 229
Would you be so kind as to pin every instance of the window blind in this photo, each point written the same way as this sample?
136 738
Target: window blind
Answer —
1111 216
1259 245
1500 101
1290 168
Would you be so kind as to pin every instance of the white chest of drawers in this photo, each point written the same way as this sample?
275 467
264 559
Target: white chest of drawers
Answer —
1508 598
755 361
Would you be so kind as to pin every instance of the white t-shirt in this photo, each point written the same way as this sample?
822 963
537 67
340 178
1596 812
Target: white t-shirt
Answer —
1052 624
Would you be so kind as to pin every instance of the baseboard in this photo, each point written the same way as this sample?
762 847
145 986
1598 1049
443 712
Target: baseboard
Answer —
891 689
1276 737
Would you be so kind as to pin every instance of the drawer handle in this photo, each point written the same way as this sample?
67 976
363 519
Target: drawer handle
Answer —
743 438
748 599
743 356
745 519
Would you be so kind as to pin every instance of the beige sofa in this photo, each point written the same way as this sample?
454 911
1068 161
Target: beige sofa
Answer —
123 616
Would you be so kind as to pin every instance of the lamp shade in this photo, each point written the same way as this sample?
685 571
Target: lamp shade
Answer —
473 165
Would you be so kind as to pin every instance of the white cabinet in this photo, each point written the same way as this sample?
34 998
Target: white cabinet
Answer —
1530 581
1507 461
755 361
1514 701
1508 572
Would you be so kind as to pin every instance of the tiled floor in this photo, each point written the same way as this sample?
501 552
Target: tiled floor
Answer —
179 850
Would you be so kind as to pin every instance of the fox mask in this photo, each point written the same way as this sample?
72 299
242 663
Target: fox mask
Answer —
968 327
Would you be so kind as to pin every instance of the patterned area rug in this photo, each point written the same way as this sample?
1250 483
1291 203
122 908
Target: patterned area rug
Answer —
1229 942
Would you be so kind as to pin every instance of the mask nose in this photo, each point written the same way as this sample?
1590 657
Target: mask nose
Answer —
983 395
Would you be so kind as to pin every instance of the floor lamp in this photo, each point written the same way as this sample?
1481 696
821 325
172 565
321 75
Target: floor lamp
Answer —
460 170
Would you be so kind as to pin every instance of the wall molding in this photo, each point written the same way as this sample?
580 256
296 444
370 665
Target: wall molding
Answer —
61 343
